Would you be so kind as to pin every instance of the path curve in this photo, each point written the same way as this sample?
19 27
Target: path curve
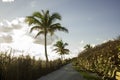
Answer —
64 73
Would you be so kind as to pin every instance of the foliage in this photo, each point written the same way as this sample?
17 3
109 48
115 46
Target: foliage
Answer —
45 23
88 46
89 76
102 59
25 67
60 48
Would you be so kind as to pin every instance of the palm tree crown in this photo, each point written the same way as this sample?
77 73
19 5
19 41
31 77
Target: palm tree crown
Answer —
45 23
60 48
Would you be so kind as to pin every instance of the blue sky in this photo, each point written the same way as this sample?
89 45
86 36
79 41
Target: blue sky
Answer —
89 21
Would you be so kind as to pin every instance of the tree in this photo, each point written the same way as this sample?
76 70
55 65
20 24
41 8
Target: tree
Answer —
118 37
88 47
45 23
60 48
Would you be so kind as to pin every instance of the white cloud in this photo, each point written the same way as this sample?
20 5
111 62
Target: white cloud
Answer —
50 39
82 42
5 38
16 34
5 29
7 0
9 26
5 26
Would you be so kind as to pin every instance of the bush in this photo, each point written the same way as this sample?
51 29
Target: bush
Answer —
24 67
102 59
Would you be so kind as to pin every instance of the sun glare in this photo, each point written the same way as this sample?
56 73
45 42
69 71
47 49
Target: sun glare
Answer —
7 0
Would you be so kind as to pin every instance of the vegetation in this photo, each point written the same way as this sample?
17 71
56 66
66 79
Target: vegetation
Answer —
89 76
45 23
60 48
88 46
102 59
25 67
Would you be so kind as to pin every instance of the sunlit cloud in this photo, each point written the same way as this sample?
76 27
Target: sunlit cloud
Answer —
7 29
50 39
7 0
5 38
9 26
16 34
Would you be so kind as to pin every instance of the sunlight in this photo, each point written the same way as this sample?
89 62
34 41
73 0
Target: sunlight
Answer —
15 34
33 43
8 0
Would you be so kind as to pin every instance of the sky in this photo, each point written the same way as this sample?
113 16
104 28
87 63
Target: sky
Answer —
88 21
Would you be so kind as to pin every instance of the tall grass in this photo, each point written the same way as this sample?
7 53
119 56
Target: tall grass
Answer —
25 67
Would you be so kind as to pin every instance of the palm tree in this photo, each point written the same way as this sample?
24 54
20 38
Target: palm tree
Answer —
45 23
60 48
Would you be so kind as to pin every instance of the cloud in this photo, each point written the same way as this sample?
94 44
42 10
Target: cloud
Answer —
7 0
82 42
9 26
50 39
40 39
5 38
7 29
16 34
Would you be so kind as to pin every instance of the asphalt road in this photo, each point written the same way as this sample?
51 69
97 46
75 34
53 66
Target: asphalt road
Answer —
64 73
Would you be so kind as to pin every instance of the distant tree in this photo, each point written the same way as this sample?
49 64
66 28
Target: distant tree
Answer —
45 23
60 48
118 37
88 47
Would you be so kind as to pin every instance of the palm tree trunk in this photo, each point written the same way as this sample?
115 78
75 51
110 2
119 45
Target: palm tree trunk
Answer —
61 57
46 48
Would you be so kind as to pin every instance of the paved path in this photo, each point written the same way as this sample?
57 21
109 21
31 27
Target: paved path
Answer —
64 73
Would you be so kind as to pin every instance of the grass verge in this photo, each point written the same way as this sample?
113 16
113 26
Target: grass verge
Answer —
89 76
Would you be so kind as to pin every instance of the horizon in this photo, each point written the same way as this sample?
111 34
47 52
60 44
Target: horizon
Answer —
89 22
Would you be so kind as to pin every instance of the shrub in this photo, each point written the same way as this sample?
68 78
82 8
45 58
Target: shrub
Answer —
102 59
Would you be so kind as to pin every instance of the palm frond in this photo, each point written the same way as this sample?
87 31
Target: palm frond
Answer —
56 27
40 32
38 15
53 18
56 24
66 51
35 28
59 28
32 20
55 49
56 16
66 44
46 18
60 48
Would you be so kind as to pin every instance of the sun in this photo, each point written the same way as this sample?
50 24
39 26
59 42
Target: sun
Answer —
7 0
